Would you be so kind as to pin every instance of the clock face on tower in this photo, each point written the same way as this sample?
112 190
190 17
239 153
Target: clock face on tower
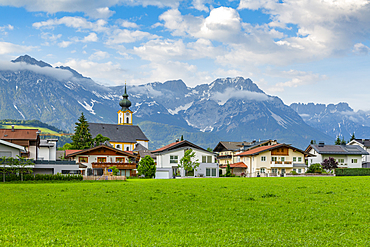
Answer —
127 114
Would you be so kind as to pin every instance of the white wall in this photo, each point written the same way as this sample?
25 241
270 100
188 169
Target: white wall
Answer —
347 159
144 143
6 149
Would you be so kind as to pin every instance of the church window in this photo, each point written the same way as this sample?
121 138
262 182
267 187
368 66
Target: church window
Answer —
120 120
128 149
127 120
118 146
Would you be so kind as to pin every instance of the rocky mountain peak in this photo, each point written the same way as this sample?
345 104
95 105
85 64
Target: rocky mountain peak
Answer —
30 60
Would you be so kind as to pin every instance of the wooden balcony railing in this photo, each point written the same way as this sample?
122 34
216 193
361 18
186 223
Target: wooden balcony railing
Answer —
119 165
281 162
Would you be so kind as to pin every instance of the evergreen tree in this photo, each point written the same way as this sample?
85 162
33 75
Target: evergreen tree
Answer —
337 141
100 139
343 142
182 138
353 136
82 138
146 167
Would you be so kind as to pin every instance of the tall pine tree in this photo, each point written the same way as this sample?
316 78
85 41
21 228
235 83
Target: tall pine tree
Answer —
82 138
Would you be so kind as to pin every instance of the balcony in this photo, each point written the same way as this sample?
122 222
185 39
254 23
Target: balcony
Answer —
119 165
281 164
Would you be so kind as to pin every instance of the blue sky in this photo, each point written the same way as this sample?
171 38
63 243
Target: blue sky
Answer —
302 51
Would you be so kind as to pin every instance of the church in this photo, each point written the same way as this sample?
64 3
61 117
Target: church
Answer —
124 135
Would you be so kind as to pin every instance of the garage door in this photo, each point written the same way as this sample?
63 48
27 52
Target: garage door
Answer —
162 175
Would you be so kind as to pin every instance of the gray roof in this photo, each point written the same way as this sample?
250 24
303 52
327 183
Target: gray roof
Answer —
236 146
139 147
365 142
118 133
339 149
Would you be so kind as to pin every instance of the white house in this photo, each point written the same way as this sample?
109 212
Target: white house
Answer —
168 159
365 145
47 149
347 156
9 149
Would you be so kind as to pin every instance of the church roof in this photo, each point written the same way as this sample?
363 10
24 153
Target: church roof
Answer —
118 133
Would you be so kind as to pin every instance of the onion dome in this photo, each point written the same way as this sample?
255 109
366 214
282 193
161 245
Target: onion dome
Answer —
125 103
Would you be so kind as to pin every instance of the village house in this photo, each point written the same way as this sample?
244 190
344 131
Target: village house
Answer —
347 156
227 151
100 158
8 149
273 160
365 145
168 159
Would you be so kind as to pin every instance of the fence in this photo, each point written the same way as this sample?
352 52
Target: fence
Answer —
104 177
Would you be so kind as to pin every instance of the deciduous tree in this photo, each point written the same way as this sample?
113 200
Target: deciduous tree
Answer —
187 162
329 164
146 167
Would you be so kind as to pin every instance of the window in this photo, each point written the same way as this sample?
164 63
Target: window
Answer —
83 159
213 172
263 158
274 170
294 170
273 158
102 159
120 120
118 146
206 159
282 158
299 159
263 170
127 120
341 161
174 159
208 172
299 170
120 159
128 149
294 159
354 161
282 171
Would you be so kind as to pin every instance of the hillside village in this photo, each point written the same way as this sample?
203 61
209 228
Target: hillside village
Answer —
124 145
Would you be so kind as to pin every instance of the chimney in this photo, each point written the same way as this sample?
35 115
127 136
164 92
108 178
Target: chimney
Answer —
321 144
12 128
177 140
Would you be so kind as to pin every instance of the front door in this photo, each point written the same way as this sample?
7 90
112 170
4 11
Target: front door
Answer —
175 172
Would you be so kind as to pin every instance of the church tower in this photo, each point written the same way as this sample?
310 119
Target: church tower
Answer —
125 114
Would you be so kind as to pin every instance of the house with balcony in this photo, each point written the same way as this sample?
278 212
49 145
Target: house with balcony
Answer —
168 160
347 156
98 160
365 145
273 160
227 151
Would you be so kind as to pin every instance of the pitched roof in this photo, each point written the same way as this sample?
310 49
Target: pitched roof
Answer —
258 150
69 152
12 145
20 134
178 144
118 133
128 153
235 146
365 142
338 149
236 165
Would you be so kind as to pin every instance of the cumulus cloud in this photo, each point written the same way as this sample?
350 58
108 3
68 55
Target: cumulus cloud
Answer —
6 48
99 55
120 36
233 93
78 23
200 5
360 48
6 27
58 74
128 24
92 37
94 9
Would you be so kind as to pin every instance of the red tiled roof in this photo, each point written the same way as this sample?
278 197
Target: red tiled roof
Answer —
20 134
167 146
260 149
236 165
68 152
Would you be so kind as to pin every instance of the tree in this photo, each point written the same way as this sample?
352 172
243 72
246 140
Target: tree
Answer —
182 138
99 138
16 166
337 141
313 141
315 168
228 170
210 150
187 163
352 137
343 142
146 167
329 164
115 170
82 138
66 146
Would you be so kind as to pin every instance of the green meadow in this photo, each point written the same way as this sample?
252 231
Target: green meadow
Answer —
314 211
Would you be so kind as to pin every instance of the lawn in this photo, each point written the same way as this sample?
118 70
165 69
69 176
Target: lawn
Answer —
188 212
42 129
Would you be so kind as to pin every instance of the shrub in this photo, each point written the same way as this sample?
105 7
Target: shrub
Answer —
352 172
315 168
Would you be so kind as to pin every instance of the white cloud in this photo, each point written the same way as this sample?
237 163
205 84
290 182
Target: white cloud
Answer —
145 89
104 73
128 24
99 55
58 74
92 37
78 23
65 44
232 93
200 5
6 47
120 36
6 27
94 9
360 48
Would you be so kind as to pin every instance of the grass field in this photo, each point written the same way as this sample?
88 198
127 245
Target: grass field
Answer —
42 129
318 211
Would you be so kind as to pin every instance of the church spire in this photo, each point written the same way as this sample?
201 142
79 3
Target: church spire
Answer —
125 103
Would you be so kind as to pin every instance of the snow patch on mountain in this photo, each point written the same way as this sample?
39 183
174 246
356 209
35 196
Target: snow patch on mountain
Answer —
19 111
88 107
279 120
180 108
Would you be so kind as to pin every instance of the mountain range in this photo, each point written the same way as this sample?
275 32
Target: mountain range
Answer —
228 109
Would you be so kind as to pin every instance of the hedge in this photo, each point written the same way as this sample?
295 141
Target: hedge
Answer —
42 177
352 172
